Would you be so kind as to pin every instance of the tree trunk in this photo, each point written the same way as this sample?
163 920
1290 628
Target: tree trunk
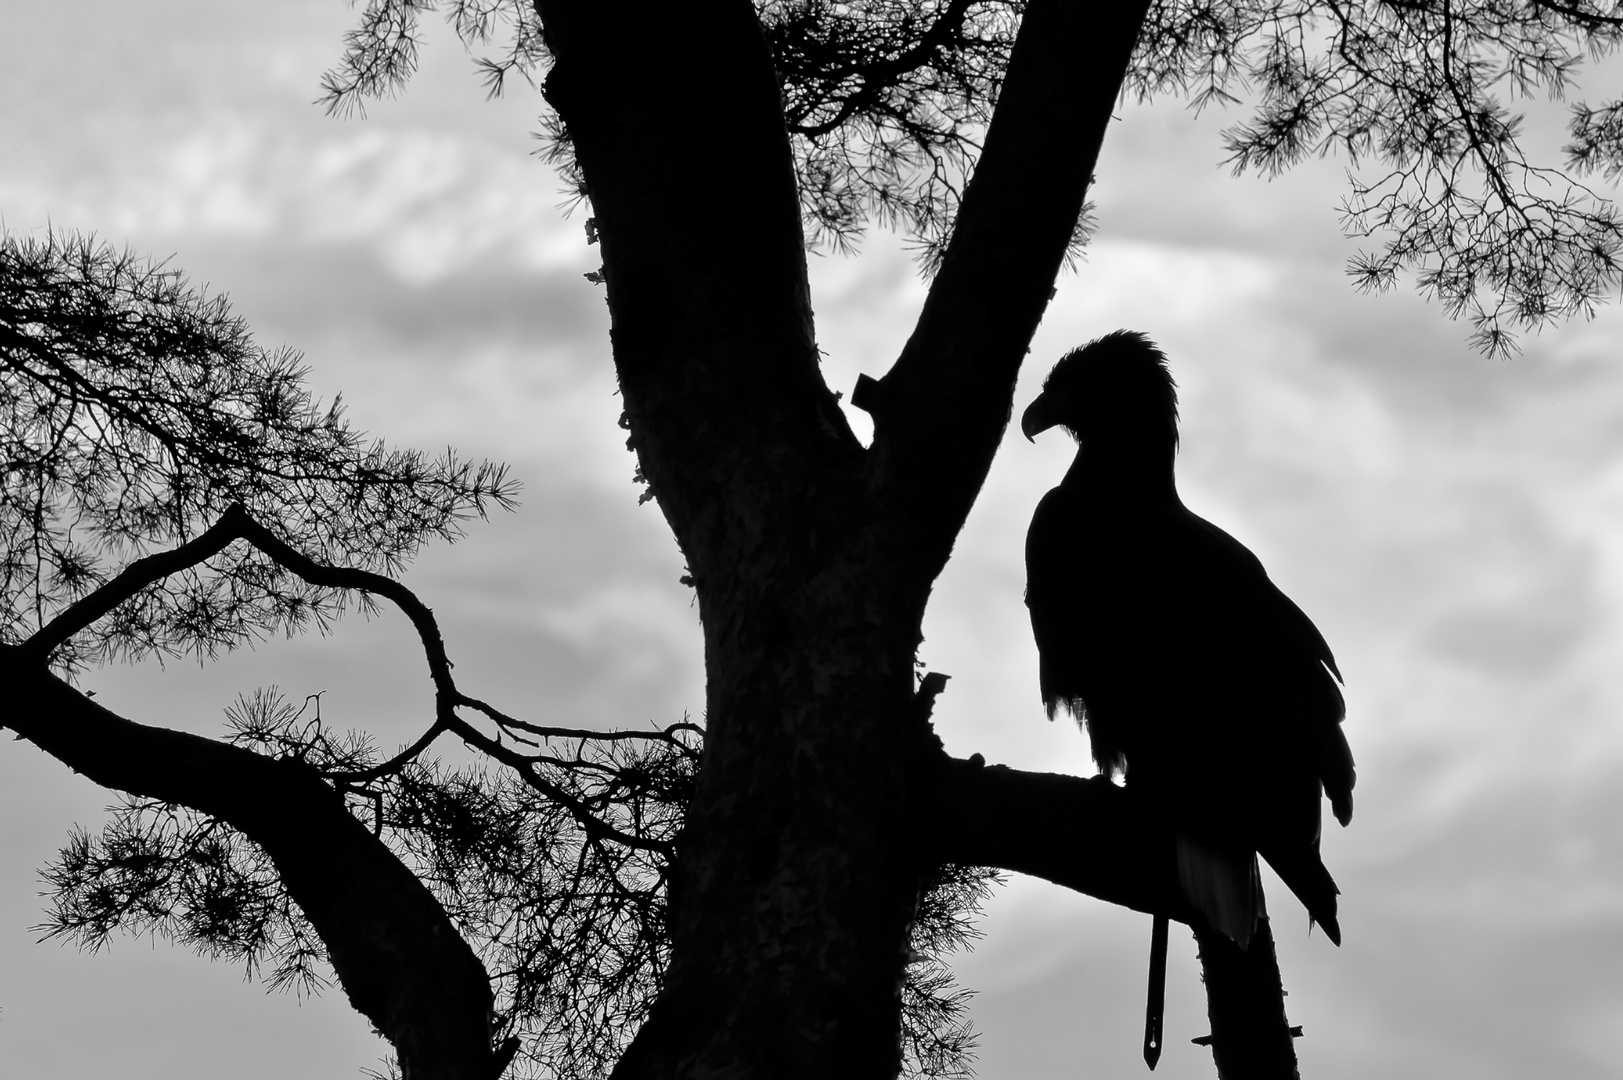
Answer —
813 559
1250 1039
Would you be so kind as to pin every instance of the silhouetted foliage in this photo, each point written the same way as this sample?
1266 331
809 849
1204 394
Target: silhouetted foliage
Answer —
569 919
570 924
172 487
1414 95
133 410
886 102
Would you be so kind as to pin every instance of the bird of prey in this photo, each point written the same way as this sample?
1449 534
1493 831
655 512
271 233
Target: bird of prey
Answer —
1199 682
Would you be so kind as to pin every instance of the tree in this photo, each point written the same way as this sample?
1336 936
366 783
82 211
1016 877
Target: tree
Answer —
821 806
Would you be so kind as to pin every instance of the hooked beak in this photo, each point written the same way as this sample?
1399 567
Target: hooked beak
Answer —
1038 417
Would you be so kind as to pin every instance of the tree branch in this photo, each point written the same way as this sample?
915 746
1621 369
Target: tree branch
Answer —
236 524
399 958
942 409
871 78
1580 16
524 764
1092 836
1084 834
704 261
135 577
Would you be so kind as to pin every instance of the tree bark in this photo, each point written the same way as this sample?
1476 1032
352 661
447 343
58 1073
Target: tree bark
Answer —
942 410
813 559
398 957
1251 1039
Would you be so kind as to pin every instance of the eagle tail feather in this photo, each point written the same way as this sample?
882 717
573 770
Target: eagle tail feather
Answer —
1304 873
1223 885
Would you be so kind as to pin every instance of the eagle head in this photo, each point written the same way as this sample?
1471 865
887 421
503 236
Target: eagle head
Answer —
1115 388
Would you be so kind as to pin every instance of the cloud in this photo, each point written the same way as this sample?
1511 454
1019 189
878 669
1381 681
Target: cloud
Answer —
426 203
1454 525
1449 522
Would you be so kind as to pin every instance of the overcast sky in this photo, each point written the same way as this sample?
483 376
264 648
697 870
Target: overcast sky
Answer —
1453 524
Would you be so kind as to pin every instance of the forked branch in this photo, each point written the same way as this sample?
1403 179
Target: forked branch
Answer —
236 524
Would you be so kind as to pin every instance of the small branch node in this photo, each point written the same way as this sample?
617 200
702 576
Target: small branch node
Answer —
869 395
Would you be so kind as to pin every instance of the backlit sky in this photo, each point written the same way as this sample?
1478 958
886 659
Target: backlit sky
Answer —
1453 524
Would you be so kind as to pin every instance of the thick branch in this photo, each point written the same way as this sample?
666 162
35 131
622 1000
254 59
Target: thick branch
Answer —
704 261
399 958
942 409
1085 834
1091 836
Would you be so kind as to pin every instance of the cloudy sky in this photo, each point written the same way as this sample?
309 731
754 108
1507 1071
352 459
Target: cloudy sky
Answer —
1453 524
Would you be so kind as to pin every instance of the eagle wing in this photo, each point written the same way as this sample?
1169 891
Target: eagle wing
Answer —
1195 676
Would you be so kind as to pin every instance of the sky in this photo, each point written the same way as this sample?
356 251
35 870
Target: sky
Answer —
1453 524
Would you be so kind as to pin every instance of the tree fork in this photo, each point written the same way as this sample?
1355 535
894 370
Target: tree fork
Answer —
947 400
794 882
813 560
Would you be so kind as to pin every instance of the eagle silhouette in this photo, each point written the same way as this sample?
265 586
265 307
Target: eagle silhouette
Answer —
1200 684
